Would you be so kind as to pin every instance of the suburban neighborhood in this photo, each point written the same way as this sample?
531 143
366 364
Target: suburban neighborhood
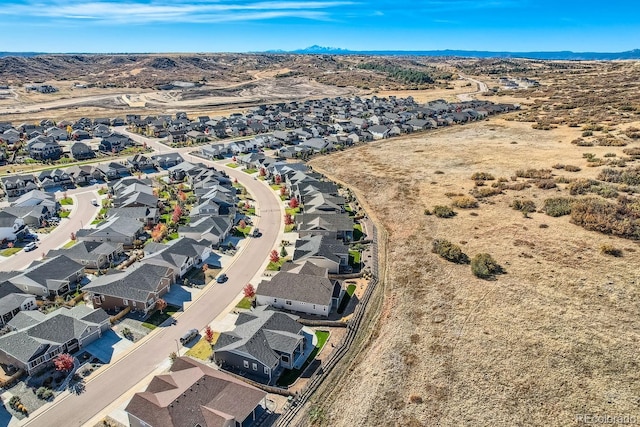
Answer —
168 224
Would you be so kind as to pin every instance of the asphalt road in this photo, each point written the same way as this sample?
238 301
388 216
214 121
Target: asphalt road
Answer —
82 212
119 377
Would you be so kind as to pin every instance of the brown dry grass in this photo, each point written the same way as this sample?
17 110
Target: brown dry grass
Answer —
554 337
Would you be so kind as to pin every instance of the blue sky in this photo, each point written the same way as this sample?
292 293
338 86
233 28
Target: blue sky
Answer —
250 25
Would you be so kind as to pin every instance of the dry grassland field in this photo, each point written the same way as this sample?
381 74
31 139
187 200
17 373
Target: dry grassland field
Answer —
554 337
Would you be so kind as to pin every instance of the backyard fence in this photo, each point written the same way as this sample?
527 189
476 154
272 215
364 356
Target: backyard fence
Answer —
342 348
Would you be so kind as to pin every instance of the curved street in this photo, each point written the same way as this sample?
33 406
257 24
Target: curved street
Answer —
121 375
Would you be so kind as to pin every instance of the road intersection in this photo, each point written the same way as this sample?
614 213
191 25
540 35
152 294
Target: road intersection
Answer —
121 375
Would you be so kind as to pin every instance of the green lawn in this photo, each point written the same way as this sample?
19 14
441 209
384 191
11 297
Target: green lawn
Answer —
64 214
275 266
157 318
244 303
354 258
202 350
357 232
275 186
243 232
289 228
69 244
289 376
351 289
66 201
96 221
232 165
251 170
10 251
292 211
102 191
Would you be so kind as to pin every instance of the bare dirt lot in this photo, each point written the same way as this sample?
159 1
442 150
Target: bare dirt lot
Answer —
555 336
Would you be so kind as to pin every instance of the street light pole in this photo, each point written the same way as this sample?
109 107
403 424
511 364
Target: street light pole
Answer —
177 348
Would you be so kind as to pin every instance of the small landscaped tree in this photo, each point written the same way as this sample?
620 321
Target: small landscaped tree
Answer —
274 257
278 179
288 219
283 252
249 291
293 203
182 196
63 362
263 172
177 213
161 305
208 334
242 224
72 236
283 191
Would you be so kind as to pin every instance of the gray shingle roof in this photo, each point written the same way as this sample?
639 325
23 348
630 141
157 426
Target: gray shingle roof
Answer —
261 332
135 284
311 289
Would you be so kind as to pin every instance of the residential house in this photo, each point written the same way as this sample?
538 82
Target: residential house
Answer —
180 255
337 226
50 277
140 162
12 301
146 215
12 227
38 338
305 288
38 198
44 149
54 178
214 229
262 344
30 216
194 394
81 151
138 287
115 230
379 131
322 251
196 137
83 174
165 161
93 255
112 170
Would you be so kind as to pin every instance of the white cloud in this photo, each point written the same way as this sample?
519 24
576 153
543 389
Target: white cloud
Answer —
196 11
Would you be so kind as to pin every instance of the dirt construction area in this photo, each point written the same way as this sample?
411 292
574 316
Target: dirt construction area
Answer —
554 337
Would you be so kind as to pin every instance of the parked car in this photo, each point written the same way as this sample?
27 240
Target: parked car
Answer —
31 237
30 246
54 219
256 233
222 278
94 202
188 336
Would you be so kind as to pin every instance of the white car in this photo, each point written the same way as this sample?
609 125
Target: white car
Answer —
30 246
94 202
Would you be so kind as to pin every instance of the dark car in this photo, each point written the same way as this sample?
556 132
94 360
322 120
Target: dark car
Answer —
31 237
222 278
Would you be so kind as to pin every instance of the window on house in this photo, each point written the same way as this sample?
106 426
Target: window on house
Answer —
246 363
288 302
125 302
254 366
285 358
266 370
314 306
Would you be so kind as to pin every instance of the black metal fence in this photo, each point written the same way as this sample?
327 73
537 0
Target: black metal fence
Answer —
342 348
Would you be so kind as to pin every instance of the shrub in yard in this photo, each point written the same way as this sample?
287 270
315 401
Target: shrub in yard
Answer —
464 202
571 168
608 249
443 211
558 206
482 176
449 251
484 266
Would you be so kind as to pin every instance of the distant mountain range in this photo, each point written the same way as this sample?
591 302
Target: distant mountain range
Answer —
322 50
568 55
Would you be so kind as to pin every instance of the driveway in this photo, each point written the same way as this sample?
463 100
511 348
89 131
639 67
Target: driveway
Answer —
115 382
